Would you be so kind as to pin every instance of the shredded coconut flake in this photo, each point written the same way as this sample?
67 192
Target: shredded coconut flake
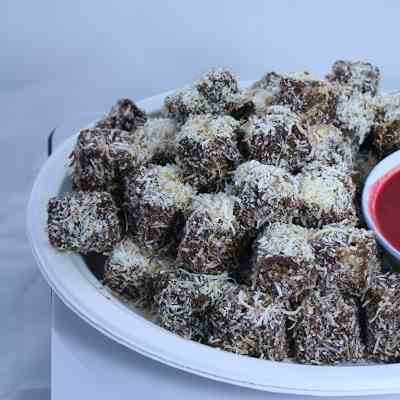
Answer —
327 189
202 128
266 177
356 114
219 207
164 186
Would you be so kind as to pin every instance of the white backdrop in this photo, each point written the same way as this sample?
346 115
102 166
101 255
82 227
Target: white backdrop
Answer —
59 58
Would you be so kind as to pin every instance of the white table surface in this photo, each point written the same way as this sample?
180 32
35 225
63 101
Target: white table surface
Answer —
86 364
62 58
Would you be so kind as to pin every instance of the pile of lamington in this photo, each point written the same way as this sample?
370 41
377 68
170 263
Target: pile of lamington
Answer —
235 216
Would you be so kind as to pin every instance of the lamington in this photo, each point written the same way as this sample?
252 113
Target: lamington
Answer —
212 237
185 302
278 138
265 193
207 151
313 98
382 306
157 201
347 258
124 115
330 147
250 322
328 330
326 196
386 130
284 261
83 222
210 94
359 76
133 273
100 157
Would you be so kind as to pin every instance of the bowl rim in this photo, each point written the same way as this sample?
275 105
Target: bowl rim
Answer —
75 286
380 170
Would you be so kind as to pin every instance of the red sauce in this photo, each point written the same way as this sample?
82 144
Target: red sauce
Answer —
385 207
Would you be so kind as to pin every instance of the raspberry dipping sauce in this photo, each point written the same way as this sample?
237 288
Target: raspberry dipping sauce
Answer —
384 206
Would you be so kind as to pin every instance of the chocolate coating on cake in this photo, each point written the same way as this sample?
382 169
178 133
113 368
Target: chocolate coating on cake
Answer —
185 103
266 194
249 322
216 86
359 76
278 138
154 142
314 99
132 272
83 222
207 152
124 115
347 258
328 330
157 200
210 94
386 131
183 305
257 98
355 114
271 82
284 261
242 105
100 157
326 195
212 238
382 305
330 147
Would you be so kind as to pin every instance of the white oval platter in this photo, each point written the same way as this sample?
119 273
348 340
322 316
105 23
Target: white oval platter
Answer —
77 287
